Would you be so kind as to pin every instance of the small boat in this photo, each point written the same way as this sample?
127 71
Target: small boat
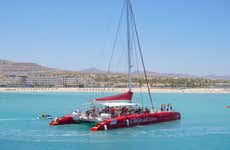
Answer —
118 111
45 116
227 106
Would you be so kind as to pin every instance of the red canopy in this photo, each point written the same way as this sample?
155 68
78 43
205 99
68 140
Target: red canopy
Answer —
123 96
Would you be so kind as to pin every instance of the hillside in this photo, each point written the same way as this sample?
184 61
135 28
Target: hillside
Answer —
19 68
10 67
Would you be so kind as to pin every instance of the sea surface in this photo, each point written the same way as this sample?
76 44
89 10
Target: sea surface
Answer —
205 124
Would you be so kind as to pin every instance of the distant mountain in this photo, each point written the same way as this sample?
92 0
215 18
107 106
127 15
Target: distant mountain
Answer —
173 75
216 77
93 70
166 75
20 68
10 67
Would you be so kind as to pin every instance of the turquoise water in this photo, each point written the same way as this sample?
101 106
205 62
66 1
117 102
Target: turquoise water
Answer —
205 124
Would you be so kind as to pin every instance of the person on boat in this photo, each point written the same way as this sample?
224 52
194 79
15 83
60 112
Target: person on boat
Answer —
170 107
106 110
98 111
162 107
87 113
43 115
90 116
128 110
117 111
77 112
137 110
140 109
112 110
167 107
124 110
146 110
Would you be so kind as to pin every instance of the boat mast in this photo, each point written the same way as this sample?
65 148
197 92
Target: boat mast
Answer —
128 44
142 58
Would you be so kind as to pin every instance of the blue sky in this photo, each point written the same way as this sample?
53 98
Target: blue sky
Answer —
179 36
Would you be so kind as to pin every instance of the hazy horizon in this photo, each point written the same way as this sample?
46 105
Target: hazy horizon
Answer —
189 37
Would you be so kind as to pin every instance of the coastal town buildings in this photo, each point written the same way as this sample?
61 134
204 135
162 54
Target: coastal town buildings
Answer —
89 80
52 80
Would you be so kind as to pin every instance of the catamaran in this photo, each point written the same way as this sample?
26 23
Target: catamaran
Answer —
118 111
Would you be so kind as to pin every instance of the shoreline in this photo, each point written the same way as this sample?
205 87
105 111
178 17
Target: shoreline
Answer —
136 90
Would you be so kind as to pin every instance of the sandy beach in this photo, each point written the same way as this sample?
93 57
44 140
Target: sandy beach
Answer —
153 90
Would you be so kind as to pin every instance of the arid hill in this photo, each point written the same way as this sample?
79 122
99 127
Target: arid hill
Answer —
10 67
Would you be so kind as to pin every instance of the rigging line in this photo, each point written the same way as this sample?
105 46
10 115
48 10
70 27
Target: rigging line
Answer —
114 45
137 65
116 37
141 54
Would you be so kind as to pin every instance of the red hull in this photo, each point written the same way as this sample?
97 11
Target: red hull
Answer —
123 121
136 119
68 119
